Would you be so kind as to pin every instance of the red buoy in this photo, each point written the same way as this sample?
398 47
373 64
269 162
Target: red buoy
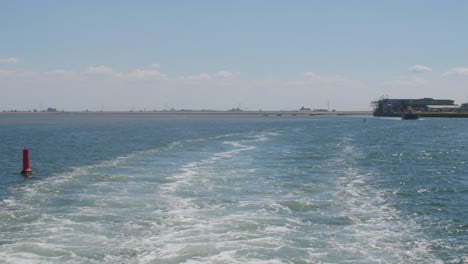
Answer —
26 172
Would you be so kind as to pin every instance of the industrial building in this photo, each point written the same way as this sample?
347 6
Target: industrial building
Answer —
395 107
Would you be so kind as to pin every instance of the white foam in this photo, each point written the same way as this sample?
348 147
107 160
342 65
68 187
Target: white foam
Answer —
185 219
375 223
277 229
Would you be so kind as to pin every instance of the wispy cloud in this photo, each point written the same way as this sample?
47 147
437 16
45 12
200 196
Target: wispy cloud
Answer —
60 73
144 74
457 71
9 60
226 74
135 74
315 77
310 74
7 73
99 70
419 69
201 76
414 81
20 73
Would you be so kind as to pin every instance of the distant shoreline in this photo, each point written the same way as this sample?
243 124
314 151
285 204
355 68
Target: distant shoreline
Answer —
234 113
263 113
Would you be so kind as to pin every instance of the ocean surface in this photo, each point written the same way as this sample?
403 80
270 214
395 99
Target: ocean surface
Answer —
233 189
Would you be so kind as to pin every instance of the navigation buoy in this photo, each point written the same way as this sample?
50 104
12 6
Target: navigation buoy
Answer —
26 172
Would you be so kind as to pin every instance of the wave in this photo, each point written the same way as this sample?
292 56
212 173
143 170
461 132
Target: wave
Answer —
233 198
375 227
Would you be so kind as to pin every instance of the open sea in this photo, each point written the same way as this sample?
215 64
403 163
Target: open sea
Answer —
142 188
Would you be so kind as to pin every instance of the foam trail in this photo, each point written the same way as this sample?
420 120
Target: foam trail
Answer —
372 220
295 192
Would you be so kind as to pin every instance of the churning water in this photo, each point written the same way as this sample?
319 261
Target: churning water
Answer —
233 189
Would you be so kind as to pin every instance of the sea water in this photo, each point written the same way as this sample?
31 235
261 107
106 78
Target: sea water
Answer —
145 188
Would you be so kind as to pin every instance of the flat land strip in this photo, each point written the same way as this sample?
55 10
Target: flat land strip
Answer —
194 112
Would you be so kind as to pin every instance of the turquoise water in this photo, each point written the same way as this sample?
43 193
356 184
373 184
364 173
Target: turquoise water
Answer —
233 189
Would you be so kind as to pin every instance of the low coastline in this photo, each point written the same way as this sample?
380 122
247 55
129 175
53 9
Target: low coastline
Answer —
232 113
264 113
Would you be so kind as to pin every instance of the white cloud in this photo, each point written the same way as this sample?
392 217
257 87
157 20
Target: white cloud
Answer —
226 74
310 74
206 76
98 70
58 72
314 77
7 73
135 74
414 81
61 73
143 74
419 69
201 76
457 71
19 73
9 60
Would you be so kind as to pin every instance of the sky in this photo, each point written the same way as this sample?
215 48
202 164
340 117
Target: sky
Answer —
219 55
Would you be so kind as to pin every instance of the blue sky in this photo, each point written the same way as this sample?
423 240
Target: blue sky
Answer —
121 55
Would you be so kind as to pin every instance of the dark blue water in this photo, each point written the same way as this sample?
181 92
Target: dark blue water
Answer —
233 189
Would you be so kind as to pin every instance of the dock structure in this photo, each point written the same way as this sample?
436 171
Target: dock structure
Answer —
425 107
